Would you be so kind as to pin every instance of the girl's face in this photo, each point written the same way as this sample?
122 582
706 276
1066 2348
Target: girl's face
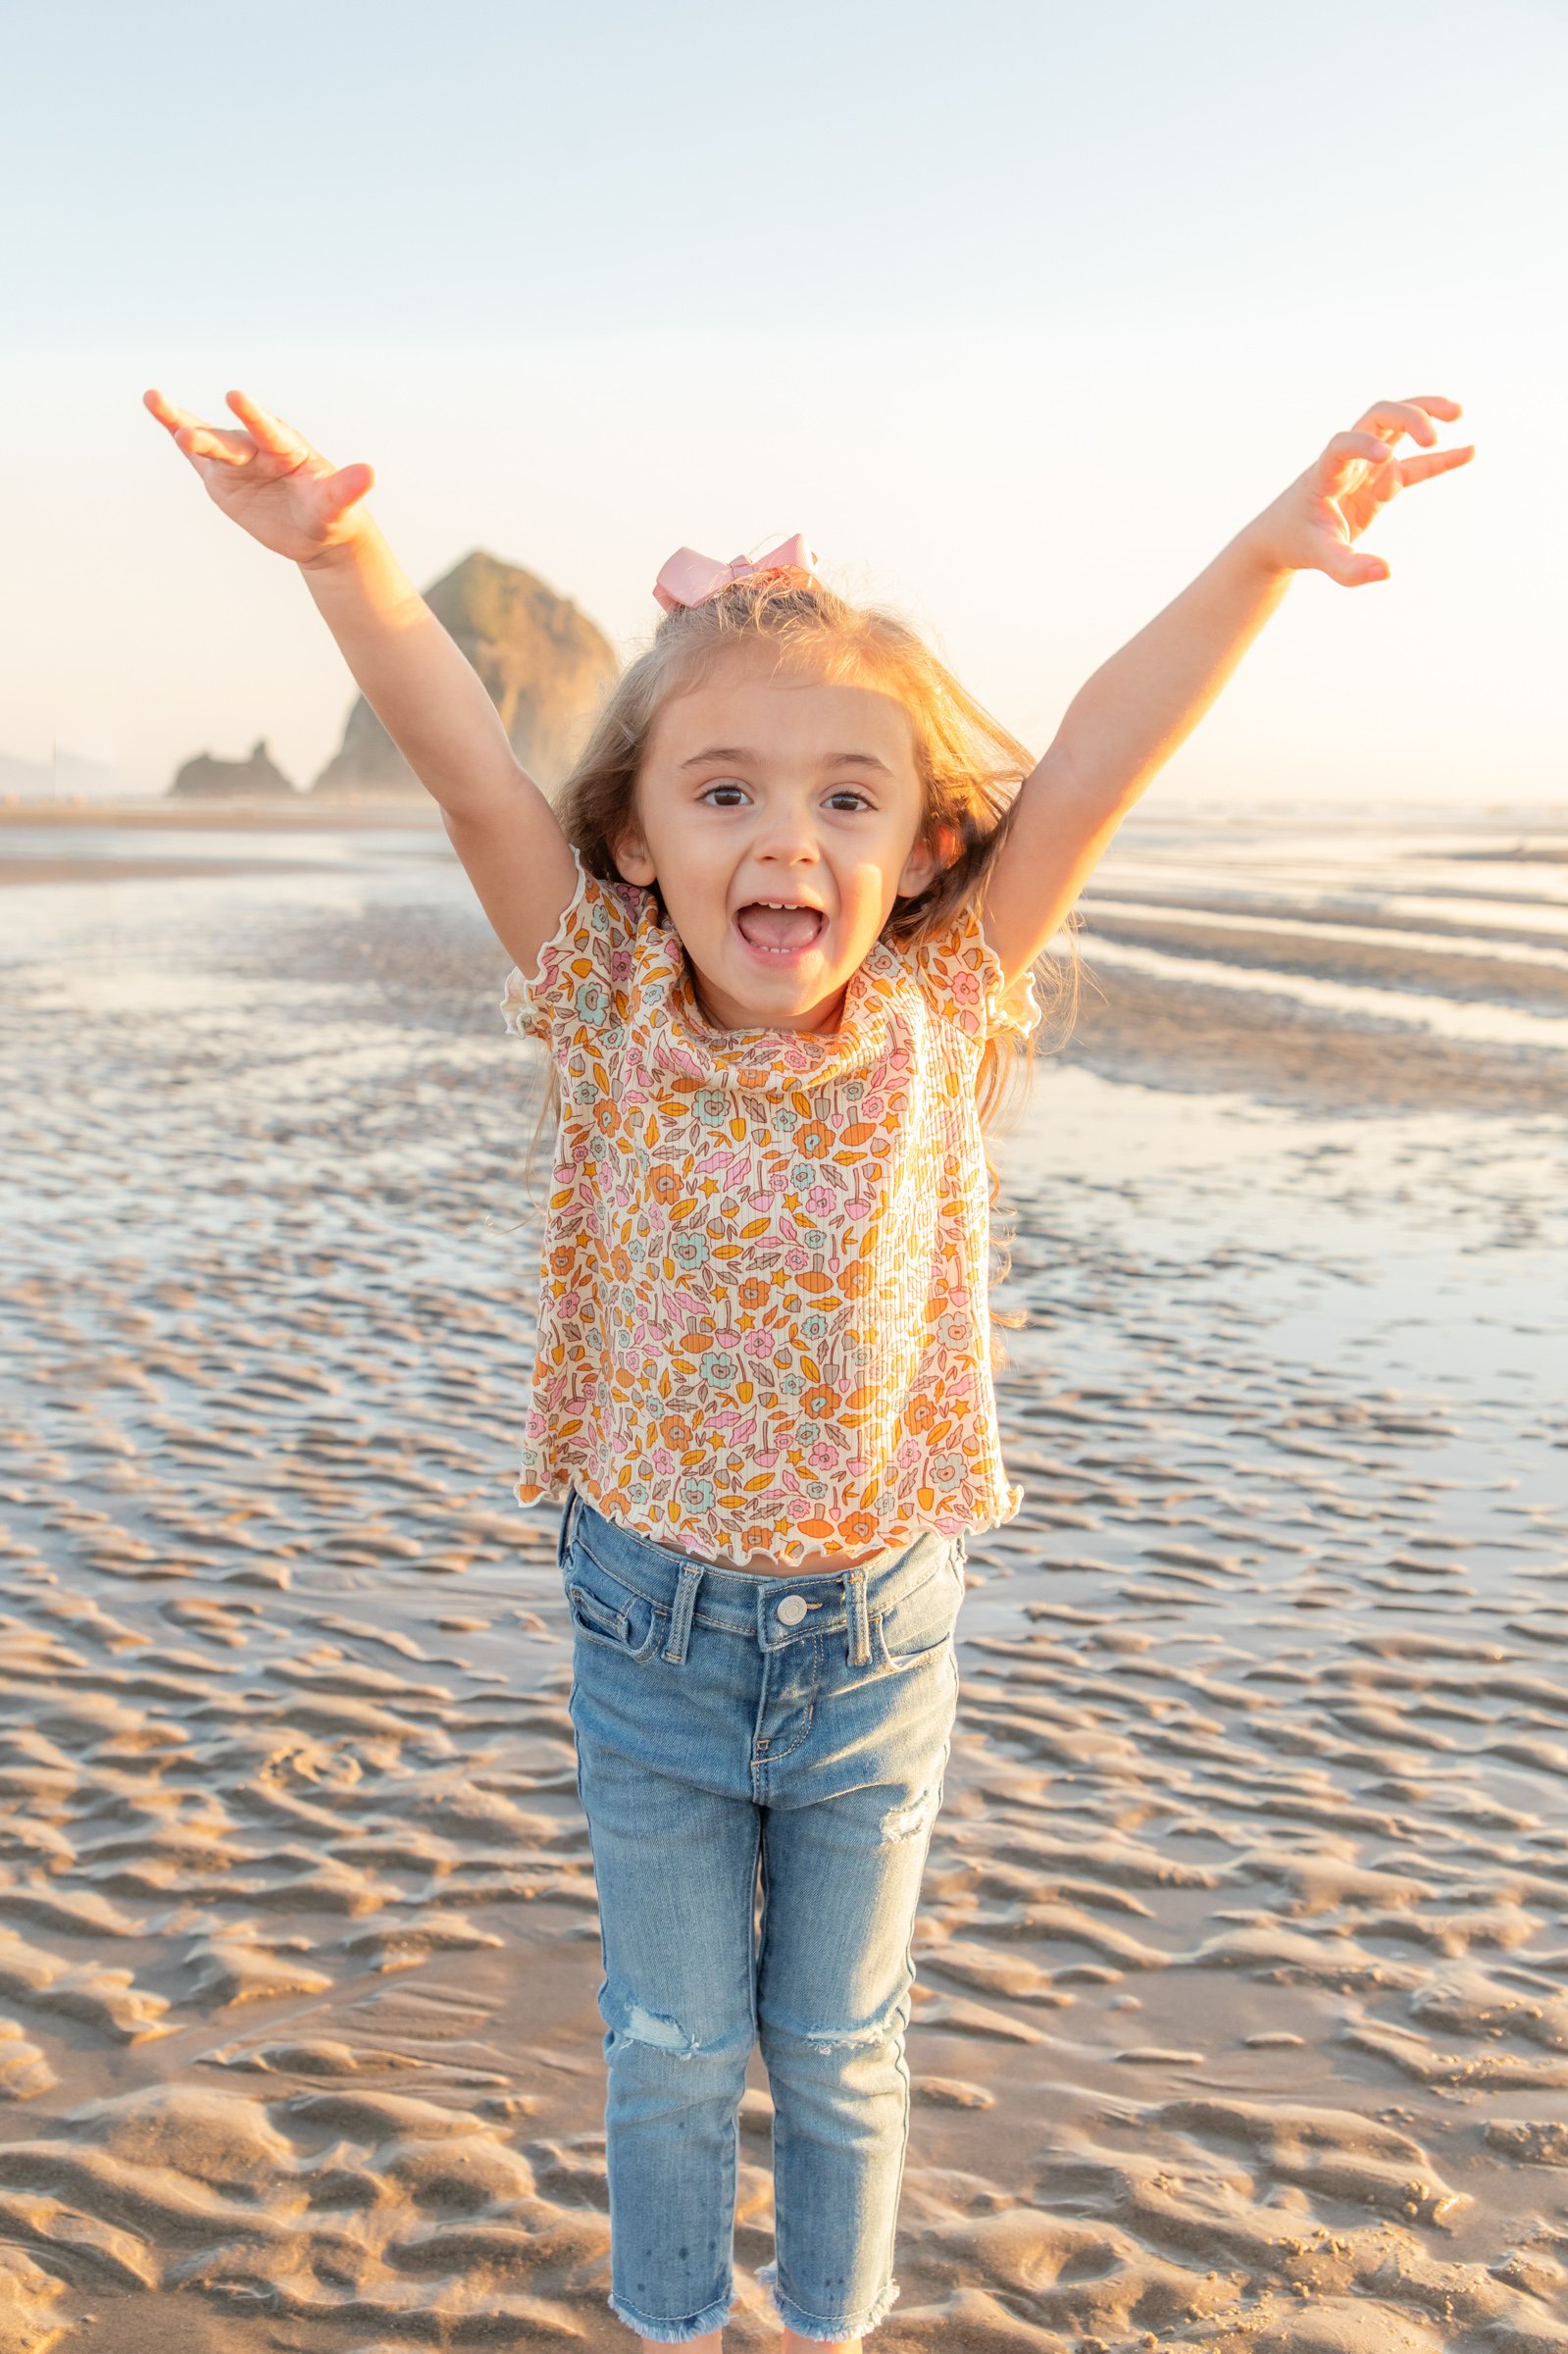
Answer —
780 814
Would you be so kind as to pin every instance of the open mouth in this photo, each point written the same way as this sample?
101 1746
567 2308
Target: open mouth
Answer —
780 928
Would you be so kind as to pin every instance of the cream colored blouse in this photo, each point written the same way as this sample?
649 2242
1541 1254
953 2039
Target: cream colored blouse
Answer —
762 1323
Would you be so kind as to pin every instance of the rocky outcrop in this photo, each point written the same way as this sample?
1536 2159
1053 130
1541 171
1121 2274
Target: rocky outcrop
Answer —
207 779
544 664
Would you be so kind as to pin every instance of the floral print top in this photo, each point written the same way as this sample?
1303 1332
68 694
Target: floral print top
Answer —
762 1323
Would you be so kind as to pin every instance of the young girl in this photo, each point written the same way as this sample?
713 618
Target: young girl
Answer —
776 936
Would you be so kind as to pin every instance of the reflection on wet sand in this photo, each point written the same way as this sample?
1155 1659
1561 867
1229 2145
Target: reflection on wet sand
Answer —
1242 2020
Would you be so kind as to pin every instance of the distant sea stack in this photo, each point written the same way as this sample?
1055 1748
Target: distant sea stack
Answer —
544 665
206 779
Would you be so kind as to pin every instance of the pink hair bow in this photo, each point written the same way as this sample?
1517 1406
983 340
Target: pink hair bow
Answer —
691 580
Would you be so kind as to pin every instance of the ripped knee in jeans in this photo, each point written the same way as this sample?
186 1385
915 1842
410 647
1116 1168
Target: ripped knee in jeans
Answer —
665 2034
909 1821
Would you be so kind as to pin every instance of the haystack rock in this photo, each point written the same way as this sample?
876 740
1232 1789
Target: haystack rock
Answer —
204 778
544 664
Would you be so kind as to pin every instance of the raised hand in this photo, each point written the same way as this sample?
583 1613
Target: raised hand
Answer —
1313 525
268 479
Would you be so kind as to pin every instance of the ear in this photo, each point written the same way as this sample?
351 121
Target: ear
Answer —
632 859
935 849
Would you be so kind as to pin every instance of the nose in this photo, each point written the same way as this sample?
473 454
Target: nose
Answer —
786 835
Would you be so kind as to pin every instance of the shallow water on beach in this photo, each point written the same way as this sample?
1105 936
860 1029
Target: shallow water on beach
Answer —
1241 2017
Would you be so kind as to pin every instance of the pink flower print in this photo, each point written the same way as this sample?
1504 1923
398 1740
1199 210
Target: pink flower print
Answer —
965 986
797 1260
819 1201
663 1463
759 1344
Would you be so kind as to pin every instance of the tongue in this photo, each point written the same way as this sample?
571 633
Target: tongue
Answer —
778 927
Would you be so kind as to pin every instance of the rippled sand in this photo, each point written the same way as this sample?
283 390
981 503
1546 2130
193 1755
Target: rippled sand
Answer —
1242 2012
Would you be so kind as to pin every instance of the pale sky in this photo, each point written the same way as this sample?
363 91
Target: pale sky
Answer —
1017 311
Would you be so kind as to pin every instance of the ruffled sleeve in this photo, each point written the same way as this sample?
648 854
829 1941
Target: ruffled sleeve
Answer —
583 967
961 976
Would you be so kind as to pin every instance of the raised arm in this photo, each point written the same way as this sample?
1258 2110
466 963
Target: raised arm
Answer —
1122 727
270 482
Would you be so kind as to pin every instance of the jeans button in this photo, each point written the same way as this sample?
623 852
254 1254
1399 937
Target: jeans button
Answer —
791 1610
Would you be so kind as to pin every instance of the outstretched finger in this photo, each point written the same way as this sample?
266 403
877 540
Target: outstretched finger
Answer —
1349 566
1393 419
174 418
270 434
1435 404
345 488
208 441
1439 461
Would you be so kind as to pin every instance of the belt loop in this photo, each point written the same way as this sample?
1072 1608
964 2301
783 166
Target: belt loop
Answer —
685 1602
859 1623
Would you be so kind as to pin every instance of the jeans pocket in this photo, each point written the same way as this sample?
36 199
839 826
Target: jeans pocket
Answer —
920 1626
604 1611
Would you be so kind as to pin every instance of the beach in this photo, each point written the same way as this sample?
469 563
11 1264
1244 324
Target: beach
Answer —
1241 2021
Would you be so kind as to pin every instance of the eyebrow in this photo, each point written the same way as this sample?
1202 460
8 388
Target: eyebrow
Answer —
742 752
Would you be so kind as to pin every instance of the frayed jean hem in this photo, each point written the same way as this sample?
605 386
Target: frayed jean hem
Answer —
673 2333
813 2325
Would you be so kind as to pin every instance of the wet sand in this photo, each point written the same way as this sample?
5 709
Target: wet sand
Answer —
335 813
1241 2018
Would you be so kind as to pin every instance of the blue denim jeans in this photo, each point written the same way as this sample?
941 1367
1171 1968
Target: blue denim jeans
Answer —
743 1738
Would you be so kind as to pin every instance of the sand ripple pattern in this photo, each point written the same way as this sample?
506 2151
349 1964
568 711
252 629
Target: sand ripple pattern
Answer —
1242 2020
